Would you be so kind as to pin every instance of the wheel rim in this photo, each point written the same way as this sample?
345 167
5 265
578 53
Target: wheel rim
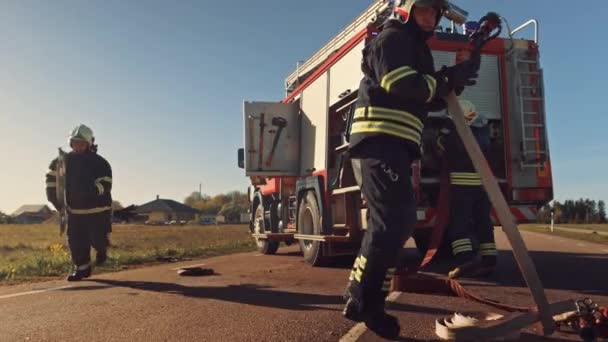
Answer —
308 226
258 224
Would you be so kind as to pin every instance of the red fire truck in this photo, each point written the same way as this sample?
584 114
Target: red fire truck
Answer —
302 187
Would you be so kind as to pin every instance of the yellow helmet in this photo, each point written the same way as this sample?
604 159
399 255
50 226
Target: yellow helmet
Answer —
82 133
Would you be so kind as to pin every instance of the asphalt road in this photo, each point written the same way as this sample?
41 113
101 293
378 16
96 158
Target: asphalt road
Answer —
273 298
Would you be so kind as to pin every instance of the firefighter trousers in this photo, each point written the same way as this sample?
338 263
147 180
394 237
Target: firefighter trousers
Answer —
470 211
86 231
385 181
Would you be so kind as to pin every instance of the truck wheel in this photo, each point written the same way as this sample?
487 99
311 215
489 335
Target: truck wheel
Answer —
259 227
309 222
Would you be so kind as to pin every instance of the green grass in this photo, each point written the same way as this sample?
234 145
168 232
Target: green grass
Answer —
31 252
583 236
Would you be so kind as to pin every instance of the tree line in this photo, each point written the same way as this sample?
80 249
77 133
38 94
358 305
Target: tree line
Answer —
584 211
230 205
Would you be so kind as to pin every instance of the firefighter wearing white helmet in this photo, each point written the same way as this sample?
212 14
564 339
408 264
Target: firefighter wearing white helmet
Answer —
470 207
400 86
89 200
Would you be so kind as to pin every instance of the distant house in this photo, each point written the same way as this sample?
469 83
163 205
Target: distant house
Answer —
166 210
32 214
207 219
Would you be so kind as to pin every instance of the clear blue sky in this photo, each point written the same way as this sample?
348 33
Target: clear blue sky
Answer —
162 85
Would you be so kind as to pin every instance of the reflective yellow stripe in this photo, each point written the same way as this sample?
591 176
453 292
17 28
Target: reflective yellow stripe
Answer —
472 175
431 83
461 242
89 211
358 275
488 252
465 178
51 184
462 249
467 183
362 262
387 128
395 75
99 186
386 286
51 173
487 249
389 114
355 268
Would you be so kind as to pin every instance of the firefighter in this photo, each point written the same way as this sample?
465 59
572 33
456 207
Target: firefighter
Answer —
470 207
88 200
399 88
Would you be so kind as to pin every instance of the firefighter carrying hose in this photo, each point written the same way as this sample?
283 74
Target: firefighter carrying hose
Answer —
470 206
399 88
88 186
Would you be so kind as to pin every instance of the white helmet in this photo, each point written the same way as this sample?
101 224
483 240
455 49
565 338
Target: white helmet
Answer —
82 133
471 115
404 7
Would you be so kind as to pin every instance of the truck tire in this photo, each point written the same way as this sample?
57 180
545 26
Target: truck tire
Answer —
309 222
259 226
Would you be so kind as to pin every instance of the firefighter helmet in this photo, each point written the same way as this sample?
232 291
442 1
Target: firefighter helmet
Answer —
82 133
404 7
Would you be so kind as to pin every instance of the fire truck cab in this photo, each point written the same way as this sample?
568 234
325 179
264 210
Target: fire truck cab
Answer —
302 185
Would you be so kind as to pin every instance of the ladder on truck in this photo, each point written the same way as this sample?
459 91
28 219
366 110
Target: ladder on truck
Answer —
371 14
530 98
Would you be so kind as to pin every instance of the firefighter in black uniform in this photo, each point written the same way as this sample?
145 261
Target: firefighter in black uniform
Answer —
89 201
399 88
470 207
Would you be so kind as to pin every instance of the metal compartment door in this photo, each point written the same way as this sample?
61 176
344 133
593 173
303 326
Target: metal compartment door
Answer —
272 138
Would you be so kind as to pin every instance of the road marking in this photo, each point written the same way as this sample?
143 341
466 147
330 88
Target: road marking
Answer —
179 268
359 329
35 291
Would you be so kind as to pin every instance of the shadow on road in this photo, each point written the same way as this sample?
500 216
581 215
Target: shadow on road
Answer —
252 294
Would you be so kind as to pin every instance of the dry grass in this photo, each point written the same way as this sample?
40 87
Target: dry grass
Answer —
584 235
37 251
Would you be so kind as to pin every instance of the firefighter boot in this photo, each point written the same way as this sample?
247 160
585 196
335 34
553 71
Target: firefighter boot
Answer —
82 271
367 304
487 267
376 320
467 265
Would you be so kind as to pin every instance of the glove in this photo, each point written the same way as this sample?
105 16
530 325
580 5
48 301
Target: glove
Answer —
459 76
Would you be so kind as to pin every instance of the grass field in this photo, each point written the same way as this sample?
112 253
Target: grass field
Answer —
584 235
30 252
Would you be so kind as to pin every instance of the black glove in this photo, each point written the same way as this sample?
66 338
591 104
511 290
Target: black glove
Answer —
457 77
